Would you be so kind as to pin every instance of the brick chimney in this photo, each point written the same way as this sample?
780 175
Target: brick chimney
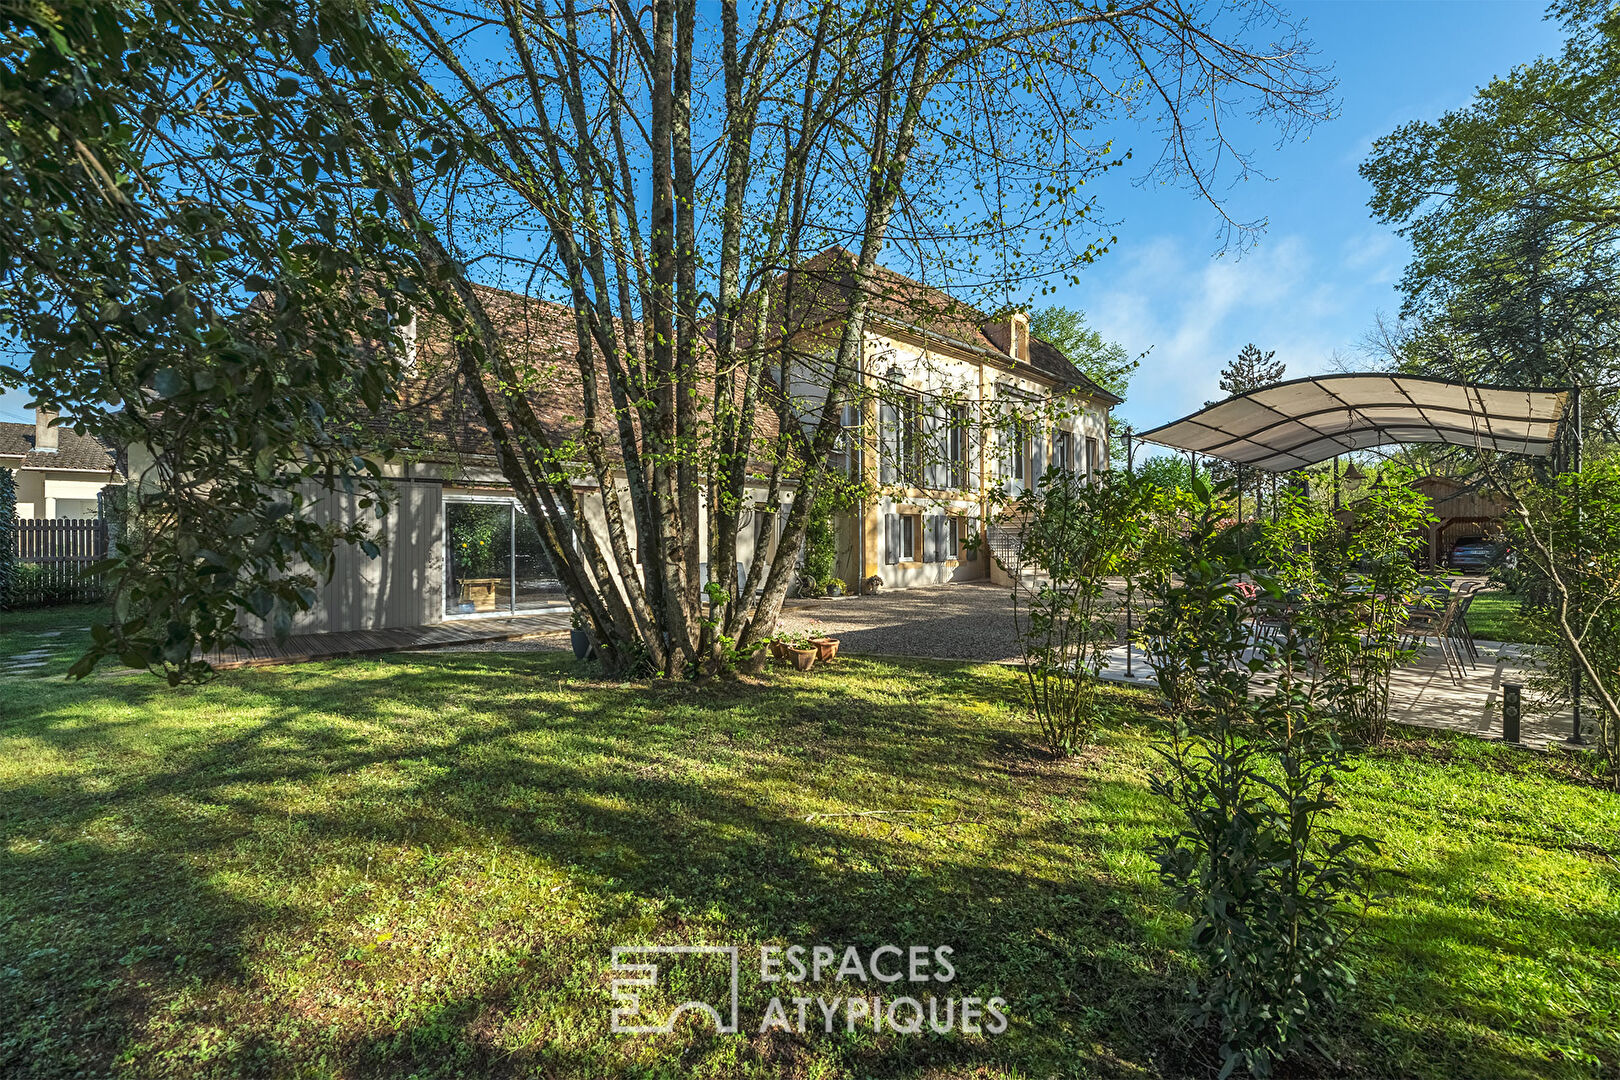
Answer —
45 436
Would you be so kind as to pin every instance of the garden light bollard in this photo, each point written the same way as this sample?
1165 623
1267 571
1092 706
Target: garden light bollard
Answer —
1512 711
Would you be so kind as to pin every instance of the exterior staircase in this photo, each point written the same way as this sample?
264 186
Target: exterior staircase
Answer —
1004 540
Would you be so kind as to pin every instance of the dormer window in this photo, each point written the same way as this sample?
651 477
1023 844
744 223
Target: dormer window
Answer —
1020 337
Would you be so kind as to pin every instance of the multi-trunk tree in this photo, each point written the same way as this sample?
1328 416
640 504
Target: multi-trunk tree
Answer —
676 171
666 172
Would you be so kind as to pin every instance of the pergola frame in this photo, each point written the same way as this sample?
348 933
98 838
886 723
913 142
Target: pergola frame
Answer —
1280 427
1301 422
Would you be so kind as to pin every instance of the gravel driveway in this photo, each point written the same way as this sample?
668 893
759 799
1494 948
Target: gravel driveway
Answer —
964 621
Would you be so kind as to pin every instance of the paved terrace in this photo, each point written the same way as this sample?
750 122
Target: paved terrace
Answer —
973 621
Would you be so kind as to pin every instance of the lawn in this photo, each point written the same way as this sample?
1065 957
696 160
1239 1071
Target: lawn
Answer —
1495 616
419 865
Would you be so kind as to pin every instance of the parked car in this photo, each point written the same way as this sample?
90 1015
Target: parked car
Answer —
1475 554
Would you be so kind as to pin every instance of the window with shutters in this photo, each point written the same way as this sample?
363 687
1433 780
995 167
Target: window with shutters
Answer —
846 455
961 532
1015 442
907 540
911 439
957 446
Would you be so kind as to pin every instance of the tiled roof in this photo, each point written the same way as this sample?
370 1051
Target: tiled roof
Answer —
75 451
819 290
438 417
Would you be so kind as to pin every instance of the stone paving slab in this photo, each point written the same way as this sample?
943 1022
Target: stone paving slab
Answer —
973 621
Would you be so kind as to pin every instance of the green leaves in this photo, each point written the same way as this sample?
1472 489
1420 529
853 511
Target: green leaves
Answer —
1251 769
146 197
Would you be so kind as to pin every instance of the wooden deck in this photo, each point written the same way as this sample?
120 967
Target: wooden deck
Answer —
301 647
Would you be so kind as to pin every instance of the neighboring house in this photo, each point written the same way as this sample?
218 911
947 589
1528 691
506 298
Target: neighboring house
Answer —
59 473
458 545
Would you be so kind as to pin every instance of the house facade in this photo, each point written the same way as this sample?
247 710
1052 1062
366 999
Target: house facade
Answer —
457 544
58 472
957 413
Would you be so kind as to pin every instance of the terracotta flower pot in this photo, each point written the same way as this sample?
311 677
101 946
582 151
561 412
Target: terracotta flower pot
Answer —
803 659
779 649
826 648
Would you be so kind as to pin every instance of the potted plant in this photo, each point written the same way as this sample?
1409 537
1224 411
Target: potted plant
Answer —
580 638
826 647
873 584
797 649
835 586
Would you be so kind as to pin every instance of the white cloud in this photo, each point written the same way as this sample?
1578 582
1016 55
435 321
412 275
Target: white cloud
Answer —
1195 313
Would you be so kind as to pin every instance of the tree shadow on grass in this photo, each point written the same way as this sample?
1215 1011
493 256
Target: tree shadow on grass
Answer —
187 939
1469 981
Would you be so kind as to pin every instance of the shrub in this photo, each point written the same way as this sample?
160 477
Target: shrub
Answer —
820 542
47 585
8 535
1263 878
1350 590
1075 535
1568 539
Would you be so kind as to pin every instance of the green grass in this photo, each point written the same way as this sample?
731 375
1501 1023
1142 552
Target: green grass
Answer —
1495 616
418 866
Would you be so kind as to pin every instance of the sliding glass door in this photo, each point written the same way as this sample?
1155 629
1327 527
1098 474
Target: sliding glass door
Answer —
494 561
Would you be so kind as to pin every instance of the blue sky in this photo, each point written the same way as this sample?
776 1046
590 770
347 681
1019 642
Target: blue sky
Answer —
1323 268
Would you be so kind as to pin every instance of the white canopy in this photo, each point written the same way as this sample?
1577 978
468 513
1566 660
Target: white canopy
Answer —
1303 421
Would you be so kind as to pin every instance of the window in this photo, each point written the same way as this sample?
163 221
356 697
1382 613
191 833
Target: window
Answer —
908 537
1063 451
846 457
1091 458
956 446
961 532
495 559
1017 449
910 420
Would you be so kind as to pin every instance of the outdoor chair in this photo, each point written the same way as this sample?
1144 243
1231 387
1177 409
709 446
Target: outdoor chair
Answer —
1271 619
1426 622
1460 629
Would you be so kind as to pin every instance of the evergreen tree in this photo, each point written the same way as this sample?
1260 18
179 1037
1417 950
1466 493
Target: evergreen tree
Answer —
1251 370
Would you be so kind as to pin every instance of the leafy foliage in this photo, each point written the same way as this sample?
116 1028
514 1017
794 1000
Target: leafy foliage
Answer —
1252 767
1512 206
1568 539
1350 588
1106 363
160 167
8 534
821 540
1075 535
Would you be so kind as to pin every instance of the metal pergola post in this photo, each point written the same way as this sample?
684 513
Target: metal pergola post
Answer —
1575 737
1130 579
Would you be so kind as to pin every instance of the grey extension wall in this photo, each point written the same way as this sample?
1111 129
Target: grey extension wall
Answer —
404 586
